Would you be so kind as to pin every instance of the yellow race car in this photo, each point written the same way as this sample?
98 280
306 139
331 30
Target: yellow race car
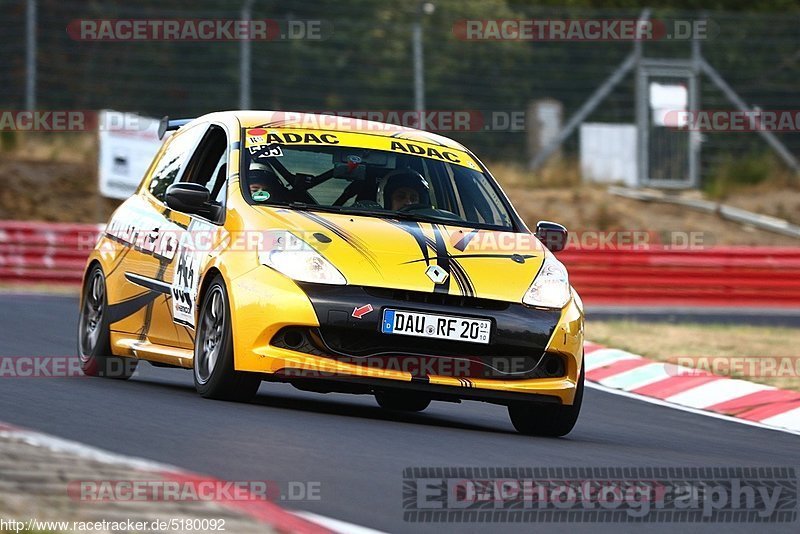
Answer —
339 255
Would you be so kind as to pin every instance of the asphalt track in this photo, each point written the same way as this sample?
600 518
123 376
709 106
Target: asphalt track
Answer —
353 448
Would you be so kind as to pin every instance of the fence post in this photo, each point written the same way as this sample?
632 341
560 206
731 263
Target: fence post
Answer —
30 56
423 8
641 109
244 59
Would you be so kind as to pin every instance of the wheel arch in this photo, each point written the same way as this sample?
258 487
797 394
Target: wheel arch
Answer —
89 267
209 275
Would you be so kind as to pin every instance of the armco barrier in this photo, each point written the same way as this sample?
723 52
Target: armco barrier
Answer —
722 276
33 252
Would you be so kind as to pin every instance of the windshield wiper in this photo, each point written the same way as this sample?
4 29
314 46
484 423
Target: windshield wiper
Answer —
386 214
347 210
304 206
338 209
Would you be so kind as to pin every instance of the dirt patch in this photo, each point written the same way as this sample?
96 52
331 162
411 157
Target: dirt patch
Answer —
592 208
59 191
782 203
561 197
41 477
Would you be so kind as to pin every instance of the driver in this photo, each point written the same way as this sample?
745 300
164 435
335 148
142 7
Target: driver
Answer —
264 184
405 187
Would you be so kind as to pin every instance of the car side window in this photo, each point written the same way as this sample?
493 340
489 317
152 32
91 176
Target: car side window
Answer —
218 190
473 194
169 166
208 167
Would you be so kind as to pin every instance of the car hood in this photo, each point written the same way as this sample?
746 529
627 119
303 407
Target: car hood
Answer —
398 254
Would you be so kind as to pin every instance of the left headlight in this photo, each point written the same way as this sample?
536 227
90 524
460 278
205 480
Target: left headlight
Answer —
293 257
550 288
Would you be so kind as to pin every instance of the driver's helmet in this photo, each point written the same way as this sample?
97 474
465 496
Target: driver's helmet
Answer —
401 178
260 174
270 185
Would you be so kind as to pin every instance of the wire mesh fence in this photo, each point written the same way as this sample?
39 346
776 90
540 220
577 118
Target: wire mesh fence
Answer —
363 61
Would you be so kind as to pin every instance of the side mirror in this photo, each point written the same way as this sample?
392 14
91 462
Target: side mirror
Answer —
188 197
552 235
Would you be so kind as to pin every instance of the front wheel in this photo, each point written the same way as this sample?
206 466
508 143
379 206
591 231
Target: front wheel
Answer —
545 419
214 374
94 339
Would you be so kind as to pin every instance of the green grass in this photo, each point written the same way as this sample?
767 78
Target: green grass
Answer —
673 342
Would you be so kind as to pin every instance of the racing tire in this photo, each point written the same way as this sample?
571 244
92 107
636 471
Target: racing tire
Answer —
214 373
94 338
400 402
536 419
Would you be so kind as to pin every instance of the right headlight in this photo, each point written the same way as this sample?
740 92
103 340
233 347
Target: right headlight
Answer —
550 288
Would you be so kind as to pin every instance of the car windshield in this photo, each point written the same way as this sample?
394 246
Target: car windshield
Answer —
374 183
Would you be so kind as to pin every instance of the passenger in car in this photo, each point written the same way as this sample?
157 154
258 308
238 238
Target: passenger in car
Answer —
264 184
405 187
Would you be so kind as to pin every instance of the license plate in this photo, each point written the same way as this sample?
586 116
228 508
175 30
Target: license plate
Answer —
408 323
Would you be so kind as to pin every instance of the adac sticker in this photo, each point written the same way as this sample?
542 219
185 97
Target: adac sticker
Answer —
255 137
263 137
440 153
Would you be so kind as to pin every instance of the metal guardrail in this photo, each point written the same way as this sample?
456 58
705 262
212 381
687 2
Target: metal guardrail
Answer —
720 276
33 252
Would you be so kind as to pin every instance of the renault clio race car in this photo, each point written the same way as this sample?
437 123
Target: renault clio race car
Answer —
339 256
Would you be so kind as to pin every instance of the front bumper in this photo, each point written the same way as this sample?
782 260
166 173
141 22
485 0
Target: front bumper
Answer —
516 349
346 352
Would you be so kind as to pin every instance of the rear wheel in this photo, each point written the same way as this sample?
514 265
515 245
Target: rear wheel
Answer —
214 374
402 402
536 419
94 339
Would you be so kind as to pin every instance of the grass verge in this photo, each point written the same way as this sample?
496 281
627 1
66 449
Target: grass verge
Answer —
40 288
739 351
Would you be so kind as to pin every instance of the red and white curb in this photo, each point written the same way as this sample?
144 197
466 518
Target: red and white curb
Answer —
261 510
616 370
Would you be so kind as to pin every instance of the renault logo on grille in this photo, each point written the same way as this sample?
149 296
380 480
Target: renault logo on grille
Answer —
437 274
